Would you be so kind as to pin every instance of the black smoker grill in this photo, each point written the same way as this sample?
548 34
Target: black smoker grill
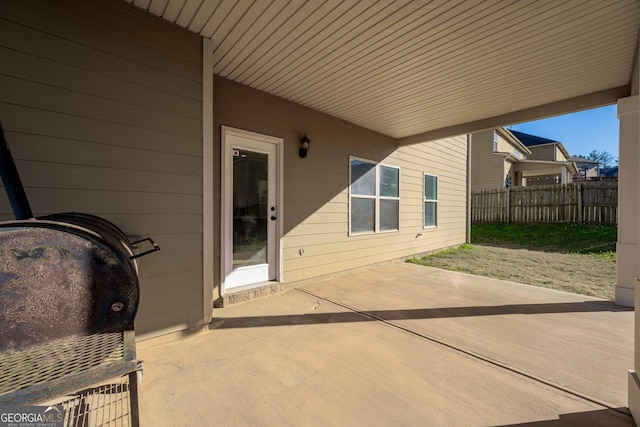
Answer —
68 299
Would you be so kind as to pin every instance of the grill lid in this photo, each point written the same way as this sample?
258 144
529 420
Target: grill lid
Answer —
59 280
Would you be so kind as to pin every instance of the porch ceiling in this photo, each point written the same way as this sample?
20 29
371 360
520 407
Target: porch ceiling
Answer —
417 70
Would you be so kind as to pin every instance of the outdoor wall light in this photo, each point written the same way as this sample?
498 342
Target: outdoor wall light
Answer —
304 146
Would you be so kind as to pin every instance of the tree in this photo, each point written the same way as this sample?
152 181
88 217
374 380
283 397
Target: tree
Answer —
605 159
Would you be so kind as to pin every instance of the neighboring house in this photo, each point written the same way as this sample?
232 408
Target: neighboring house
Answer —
499 159
587 169
558 168
494 156
609 173
108 112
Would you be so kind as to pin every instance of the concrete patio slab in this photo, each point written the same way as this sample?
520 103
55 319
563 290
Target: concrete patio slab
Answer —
572 340
397 344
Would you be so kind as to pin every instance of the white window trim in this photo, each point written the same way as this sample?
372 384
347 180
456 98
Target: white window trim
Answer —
424 199
376 198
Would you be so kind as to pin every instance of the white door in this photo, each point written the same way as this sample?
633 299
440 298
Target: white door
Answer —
251 209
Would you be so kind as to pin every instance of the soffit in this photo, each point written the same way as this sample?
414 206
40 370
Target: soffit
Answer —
547 166
407 68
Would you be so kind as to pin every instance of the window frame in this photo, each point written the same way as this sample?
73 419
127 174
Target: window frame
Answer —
376 197
425 201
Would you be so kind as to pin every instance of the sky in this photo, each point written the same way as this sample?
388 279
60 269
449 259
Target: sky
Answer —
581 132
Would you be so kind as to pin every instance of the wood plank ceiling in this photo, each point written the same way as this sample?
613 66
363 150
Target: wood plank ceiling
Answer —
416 69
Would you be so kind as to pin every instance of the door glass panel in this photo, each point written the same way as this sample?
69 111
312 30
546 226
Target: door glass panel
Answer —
250 208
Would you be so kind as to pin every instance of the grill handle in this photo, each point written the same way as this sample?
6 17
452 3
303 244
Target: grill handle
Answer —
156 248
11 181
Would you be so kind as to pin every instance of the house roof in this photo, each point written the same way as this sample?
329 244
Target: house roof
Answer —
610 172
536 141
418 71
532 140
579 159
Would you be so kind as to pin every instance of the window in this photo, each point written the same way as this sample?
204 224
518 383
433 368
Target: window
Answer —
374 197
430 201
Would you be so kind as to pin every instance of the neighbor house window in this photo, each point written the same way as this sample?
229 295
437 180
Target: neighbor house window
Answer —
430 200
374 197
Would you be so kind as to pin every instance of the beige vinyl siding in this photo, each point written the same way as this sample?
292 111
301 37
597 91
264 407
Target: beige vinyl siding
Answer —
560 157
316 192
506 167
504 146
542 152
102 108
487 168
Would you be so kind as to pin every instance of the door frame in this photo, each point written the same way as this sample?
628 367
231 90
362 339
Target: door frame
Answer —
226 198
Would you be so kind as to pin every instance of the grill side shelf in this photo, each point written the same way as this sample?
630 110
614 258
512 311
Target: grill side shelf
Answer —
63 366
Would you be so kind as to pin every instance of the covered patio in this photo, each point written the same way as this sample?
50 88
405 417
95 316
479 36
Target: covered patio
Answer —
398 344
117 109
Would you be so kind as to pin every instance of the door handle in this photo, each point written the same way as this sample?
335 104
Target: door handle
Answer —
273 218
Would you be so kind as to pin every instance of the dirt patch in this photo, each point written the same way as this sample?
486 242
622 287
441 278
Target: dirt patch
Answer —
576 273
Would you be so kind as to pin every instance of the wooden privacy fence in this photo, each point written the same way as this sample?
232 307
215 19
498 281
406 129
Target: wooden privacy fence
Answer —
580 202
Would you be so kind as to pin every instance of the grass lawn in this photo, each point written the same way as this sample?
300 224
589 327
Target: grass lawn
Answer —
566 238
569 257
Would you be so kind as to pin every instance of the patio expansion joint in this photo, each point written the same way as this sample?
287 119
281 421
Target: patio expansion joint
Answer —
480 357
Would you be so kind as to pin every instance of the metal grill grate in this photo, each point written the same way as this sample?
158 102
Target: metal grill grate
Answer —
106 405
44 363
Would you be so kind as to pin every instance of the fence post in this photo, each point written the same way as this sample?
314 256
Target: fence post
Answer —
508 203
579 197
